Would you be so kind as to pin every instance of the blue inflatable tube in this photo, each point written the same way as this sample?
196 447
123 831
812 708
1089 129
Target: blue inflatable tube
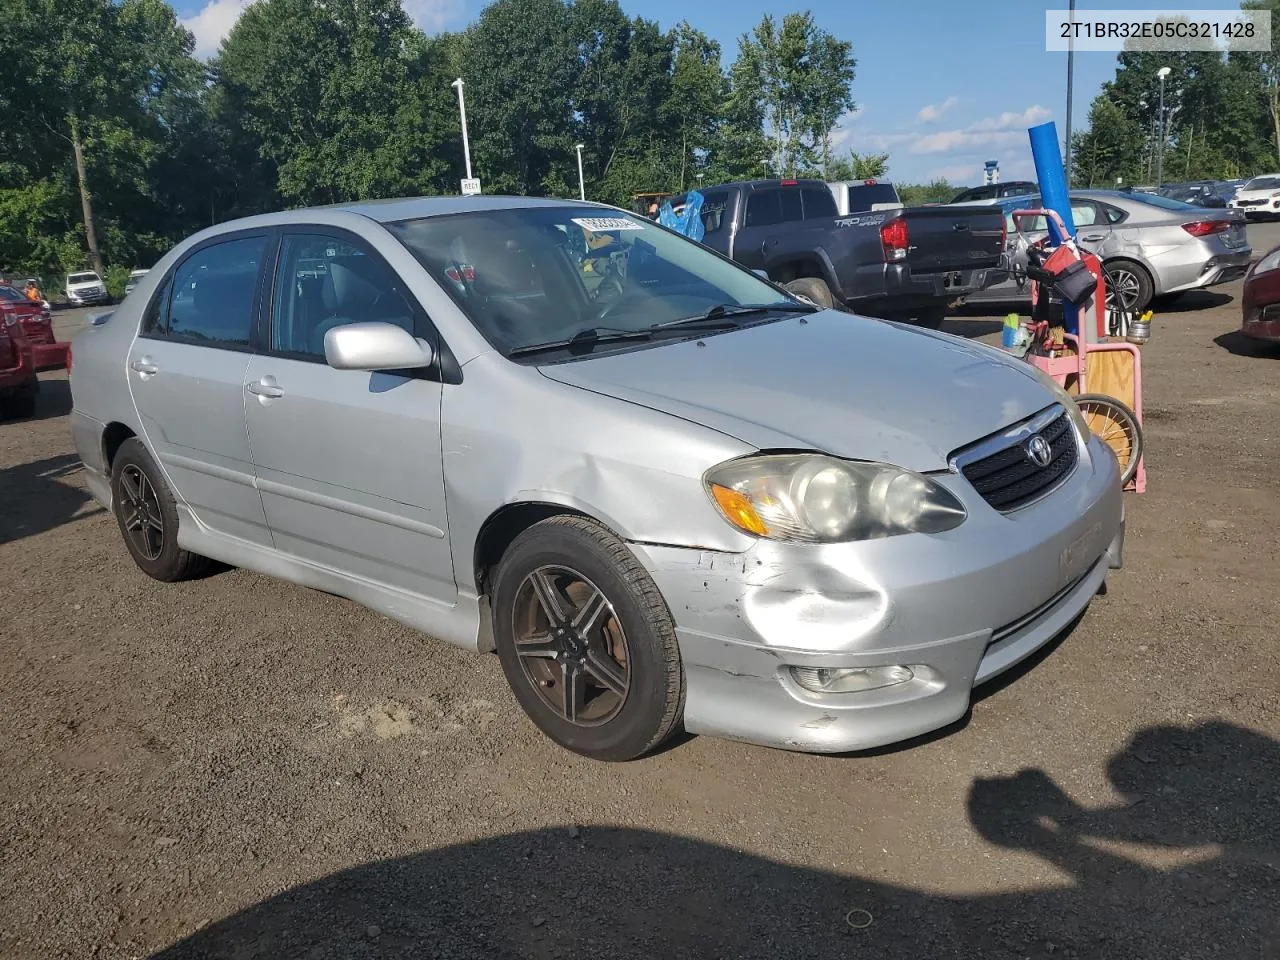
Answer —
1047 155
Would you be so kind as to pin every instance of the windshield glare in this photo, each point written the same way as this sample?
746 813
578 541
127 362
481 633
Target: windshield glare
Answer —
540 274
1263 183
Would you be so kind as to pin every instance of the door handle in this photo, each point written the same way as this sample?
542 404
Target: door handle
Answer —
265 388
144 366
1093 237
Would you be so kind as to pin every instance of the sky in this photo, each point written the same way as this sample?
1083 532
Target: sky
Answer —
941 85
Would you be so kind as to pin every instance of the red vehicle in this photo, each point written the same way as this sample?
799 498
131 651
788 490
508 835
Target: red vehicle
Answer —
1261 299
37 326
18 382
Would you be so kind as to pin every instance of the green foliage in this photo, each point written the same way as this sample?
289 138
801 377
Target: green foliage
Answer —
116 278
857 166
935 191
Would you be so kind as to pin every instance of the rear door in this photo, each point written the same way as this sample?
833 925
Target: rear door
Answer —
349 462
186 372
761 218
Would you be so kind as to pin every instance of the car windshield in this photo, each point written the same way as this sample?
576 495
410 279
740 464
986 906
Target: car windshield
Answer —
9 293
82 278
1263 183
537 275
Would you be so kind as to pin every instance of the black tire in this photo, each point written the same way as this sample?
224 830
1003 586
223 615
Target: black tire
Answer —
814 290
1123 433
1132 278
650 709
168 563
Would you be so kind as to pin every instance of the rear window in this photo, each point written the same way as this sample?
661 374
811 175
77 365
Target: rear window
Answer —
862 196
818 203
1164 203
764 208
82 278
9 293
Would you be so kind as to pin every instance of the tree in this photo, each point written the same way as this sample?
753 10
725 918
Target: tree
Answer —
697 91
858 166
800 78
1105 151
1268 66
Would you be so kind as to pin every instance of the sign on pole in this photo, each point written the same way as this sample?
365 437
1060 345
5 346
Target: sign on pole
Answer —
470 187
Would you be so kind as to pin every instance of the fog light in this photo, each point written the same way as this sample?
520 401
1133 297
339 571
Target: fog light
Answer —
849 679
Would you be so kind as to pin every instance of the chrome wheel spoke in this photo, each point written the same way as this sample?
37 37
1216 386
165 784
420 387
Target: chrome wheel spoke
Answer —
573 690
541 646
129 480
587 617
606 671
553 602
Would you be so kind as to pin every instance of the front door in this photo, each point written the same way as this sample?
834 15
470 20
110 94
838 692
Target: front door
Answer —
186 373
348 462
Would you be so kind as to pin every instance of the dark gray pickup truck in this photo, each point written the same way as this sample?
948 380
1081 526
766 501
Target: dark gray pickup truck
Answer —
905 264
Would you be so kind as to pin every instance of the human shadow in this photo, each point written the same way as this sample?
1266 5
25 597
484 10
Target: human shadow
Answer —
1235 342
1201 801
35 497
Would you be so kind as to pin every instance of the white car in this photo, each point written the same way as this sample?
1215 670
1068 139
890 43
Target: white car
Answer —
134 277
85 289
1259 197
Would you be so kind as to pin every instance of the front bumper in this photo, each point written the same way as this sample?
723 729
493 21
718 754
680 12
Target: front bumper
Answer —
957 609
87 300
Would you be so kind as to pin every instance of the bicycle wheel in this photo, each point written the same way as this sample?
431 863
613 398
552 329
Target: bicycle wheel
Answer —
1116 426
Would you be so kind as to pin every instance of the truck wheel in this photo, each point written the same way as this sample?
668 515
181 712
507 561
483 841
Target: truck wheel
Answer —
930 319
814 290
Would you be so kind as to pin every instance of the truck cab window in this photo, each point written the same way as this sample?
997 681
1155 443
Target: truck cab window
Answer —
764 208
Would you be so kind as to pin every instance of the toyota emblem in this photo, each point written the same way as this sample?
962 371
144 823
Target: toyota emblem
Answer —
1038 451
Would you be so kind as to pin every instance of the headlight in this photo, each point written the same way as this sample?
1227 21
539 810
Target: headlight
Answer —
1064 398
1267 263
813 498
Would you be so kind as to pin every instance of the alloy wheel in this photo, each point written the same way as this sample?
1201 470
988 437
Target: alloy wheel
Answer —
140 512
571 645
1122 284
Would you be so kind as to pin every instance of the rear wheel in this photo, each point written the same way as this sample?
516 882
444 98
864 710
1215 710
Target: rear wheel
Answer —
930 319
1116 426
586 641
147 515
814 290
1129 286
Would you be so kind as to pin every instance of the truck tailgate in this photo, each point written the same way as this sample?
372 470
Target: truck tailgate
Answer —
953 238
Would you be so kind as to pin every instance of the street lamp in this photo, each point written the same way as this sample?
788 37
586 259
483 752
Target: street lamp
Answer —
462 110
1161 73
582 185
1071 57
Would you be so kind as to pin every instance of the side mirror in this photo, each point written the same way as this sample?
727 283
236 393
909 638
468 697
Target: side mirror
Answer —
762 274
375 346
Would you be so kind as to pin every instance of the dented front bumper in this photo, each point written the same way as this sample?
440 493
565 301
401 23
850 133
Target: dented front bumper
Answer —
956 609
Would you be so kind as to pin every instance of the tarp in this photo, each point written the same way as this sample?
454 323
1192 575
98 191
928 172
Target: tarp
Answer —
689 220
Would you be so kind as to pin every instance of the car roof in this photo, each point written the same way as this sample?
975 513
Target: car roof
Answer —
412 208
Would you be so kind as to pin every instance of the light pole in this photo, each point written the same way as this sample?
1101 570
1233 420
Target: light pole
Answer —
462 110
1161 73
1071 57
582 184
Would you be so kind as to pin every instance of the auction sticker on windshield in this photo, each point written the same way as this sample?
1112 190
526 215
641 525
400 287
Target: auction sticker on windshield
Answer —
605 224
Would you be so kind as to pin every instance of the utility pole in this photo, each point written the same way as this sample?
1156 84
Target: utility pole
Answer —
469 185
1071 57
1161 73
582 184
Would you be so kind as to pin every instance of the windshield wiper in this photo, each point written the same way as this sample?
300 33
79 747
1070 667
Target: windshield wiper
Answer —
588 336
721 312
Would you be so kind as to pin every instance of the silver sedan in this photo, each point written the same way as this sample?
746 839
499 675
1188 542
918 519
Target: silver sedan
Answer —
1154 248
663 490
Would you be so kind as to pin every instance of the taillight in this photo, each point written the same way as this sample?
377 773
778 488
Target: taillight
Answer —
788 183
893 238
68 358
869 183
1203 228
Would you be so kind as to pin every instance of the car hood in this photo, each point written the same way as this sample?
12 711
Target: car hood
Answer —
1256 194
847 385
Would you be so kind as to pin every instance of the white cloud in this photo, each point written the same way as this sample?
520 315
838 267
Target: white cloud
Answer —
1029 117
216 18
213 22
933 111
947 141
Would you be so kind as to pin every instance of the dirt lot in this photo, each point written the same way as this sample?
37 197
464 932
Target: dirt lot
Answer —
241 768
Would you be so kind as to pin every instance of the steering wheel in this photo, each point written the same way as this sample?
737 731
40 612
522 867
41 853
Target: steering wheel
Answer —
608 295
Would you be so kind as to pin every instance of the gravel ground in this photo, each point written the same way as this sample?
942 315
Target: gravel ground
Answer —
240 768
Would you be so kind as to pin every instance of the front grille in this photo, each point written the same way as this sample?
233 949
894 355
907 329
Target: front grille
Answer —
1251 203
1009 478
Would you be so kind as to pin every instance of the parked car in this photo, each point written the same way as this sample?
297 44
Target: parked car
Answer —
19 384
1152 246
910 263
1203 194
1260 301
36 321
86 289
996 191
861 196
132 282
683 495
1259 197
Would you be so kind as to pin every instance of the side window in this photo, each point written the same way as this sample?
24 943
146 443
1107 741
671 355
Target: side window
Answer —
713 208
213 289
155 322
764 208
818 203
969 195
1114 214
1084 214
792 210
323 282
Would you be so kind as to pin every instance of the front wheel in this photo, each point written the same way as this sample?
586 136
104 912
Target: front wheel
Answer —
147 515
586 641
813 290
1116 426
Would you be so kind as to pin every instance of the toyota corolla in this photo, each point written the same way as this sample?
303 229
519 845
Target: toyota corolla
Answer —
665 492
